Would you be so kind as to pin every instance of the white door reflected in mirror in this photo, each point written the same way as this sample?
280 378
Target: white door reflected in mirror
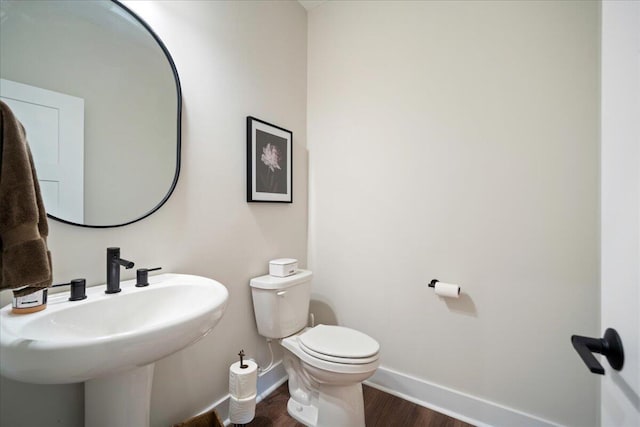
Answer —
55 130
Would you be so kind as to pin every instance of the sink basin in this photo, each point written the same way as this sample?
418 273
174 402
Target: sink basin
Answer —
74 341
110 341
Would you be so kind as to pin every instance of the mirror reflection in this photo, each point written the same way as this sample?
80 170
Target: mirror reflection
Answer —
100 102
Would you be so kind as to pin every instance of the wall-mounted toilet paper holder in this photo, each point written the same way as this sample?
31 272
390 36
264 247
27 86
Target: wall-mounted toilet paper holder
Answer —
447 290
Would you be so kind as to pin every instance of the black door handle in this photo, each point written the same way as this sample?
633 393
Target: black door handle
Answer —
609 346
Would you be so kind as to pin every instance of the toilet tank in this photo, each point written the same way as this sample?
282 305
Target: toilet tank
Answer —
281 304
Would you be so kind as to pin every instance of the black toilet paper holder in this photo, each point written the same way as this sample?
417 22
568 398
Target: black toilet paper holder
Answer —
242 364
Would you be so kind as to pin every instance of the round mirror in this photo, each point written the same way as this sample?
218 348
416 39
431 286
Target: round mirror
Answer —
99 97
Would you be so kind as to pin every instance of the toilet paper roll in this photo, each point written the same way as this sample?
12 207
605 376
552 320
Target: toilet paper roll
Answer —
242 411
449 290
243 382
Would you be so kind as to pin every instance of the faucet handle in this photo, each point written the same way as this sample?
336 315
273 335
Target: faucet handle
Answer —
78 289
142 276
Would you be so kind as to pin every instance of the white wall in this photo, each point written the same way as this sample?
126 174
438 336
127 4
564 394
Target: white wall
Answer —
459 141
234 59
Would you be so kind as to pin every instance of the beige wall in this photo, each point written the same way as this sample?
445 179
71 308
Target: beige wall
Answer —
234 59
459 141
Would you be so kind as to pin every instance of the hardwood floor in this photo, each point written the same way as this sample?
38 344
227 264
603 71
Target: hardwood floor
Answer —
381 410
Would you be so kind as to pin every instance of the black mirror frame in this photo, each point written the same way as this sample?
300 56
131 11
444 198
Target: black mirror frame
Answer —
179 124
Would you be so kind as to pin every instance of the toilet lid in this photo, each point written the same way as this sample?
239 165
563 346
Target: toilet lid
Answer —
338 342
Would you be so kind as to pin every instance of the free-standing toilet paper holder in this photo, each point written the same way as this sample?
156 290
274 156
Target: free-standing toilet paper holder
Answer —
242 391
242 364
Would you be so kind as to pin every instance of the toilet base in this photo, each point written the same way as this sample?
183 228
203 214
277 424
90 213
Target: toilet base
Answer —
305 414
333 406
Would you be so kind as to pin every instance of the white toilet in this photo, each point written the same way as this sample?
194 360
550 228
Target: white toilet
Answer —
326 364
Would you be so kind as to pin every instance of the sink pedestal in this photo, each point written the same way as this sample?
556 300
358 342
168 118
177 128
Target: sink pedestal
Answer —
121 399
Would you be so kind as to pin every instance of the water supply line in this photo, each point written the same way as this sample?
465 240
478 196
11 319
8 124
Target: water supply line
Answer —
262 371
269 367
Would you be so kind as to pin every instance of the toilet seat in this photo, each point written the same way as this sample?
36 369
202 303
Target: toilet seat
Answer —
338 344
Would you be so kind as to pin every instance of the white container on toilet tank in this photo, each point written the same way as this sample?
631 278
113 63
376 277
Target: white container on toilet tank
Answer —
283 267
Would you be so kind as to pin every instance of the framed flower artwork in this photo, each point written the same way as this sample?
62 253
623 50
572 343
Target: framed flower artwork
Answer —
269 162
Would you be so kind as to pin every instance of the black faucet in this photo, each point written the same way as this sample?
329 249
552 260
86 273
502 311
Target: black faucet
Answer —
113 269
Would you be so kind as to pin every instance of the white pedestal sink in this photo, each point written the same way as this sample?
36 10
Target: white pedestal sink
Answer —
110 341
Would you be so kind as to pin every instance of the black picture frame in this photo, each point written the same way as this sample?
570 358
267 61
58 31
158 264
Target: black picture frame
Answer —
269 162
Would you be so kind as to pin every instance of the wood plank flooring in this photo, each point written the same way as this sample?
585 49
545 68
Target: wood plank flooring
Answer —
381 410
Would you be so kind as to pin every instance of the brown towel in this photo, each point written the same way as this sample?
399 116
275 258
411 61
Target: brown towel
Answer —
208 419
24 260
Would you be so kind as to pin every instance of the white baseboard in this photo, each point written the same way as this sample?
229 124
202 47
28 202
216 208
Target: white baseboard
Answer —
470 409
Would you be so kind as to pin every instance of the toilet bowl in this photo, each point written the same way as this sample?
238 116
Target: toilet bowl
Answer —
325 388
325 364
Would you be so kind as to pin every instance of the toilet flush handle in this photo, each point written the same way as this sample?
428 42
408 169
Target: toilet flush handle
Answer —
281 293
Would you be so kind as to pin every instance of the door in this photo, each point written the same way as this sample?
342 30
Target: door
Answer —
620 211
55 130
